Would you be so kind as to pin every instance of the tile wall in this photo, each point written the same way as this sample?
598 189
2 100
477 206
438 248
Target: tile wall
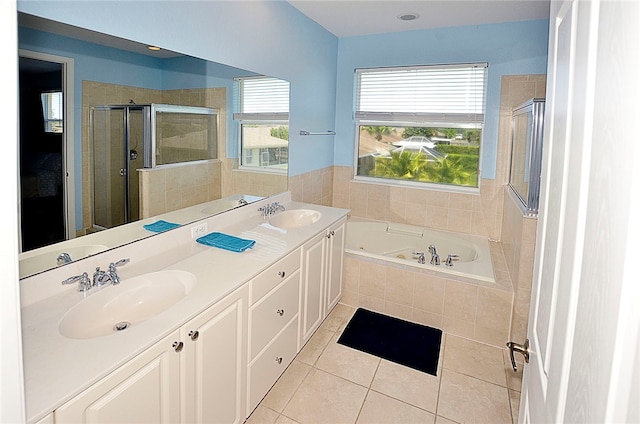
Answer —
161 190
518 232
476 311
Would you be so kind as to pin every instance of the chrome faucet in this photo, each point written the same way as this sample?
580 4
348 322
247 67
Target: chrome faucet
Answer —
242 202
270 208
100 278
85 282
449 261
63 258
421 258
435 258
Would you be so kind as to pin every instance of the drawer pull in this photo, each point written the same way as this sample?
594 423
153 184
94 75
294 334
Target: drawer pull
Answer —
282 274
280 312
194 334
177 346
279 359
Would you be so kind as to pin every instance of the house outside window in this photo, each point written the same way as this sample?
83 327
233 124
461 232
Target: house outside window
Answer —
420 126
263 118
52 110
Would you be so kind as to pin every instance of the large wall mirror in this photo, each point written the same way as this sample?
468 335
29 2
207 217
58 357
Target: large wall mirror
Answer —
77 89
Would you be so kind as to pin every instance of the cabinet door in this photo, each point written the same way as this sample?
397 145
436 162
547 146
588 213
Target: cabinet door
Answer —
214 362
312 310
335 258
144 390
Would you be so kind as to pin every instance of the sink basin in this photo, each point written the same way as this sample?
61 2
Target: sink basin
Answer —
295 218
115 308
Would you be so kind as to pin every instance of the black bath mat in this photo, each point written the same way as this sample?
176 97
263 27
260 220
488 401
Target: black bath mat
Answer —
403 342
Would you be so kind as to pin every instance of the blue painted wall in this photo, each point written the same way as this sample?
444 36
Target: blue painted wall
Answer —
510 49
273 38
267 37
108 65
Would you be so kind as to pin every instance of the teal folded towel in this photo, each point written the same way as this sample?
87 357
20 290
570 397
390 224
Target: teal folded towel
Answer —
227 242
160 226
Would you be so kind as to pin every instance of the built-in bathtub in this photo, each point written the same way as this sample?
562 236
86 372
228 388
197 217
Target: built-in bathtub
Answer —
401 244
472 299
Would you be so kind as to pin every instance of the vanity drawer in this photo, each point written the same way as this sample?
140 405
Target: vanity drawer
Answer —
274 275
267 368
271 313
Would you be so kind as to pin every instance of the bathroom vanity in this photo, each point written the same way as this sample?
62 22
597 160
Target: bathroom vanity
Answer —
210 356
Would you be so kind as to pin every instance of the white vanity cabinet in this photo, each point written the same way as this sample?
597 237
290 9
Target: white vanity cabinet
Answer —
214 362
46 420
273 325
322 260
196 374
145 389
334 263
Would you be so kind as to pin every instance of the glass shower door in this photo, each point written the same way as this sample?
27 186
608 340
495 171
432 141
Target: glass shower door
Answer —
109 168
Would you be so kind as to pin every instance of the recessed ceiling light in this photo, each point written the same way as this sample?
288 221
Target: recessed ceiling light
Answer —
154 48
408 16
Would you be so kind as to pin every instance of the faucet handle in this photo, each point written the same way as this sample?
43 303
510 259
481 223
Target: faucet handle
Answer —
449 261
120 262
420 255
85 282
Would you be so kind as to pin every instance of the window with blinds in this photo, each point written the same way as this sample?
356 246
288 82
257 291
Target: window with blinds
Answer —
420 125
52 110
263 118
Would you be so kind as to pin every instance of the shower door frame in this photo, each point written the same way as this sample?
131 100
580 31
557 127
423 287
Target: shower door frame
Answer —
146 134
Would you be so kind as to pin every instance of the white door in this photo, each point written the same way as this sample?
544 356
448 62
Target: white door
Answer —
582 317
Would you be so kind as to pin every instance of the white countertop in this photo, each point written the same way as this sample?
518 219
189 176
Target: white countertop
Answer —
58 368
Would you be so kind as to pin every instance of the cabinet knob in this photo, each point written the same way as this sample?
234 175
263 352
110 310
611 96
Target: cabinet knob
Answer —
282 274
280 312
194 334
279 359
177 346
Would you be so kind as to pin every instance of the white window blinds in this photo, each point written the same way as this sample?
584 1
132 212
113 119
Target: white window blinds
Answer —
449 93
263 98
52 110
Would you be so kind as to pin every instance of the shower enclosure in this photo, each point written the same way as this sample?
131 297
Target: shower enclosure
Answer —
527 126
131 137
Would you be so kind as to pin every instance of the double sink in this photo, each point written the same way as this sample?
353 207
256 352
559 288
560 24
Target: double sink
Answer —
115 308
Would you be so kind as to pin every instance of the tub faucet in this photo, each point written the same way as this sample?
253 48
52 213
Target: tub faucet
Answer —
421 259
435 258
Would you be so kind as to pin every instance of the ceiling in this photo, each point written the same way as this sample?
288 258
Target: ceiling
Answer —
78 33
347 18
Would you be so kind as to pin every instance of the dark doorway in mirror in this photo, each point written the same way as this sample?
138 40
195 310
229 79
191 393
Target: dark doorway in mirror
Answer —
42 219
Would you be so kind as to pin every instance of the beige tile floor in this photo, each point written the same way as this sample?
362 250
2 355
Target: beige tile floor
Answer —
330 383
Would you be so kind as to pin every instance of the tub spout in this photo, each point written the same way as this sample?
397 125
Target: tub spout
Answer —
435 258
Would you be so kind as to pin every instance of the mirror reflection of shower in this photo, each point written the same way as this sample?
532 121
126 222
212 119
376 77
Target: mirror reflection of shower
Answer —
126 138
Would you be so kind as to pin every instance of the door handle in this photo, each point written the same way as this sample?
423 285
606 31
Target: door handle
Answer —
522 349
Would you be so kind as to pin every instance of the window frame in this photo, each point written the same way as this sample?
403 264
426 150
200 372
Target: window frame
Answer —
417 119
